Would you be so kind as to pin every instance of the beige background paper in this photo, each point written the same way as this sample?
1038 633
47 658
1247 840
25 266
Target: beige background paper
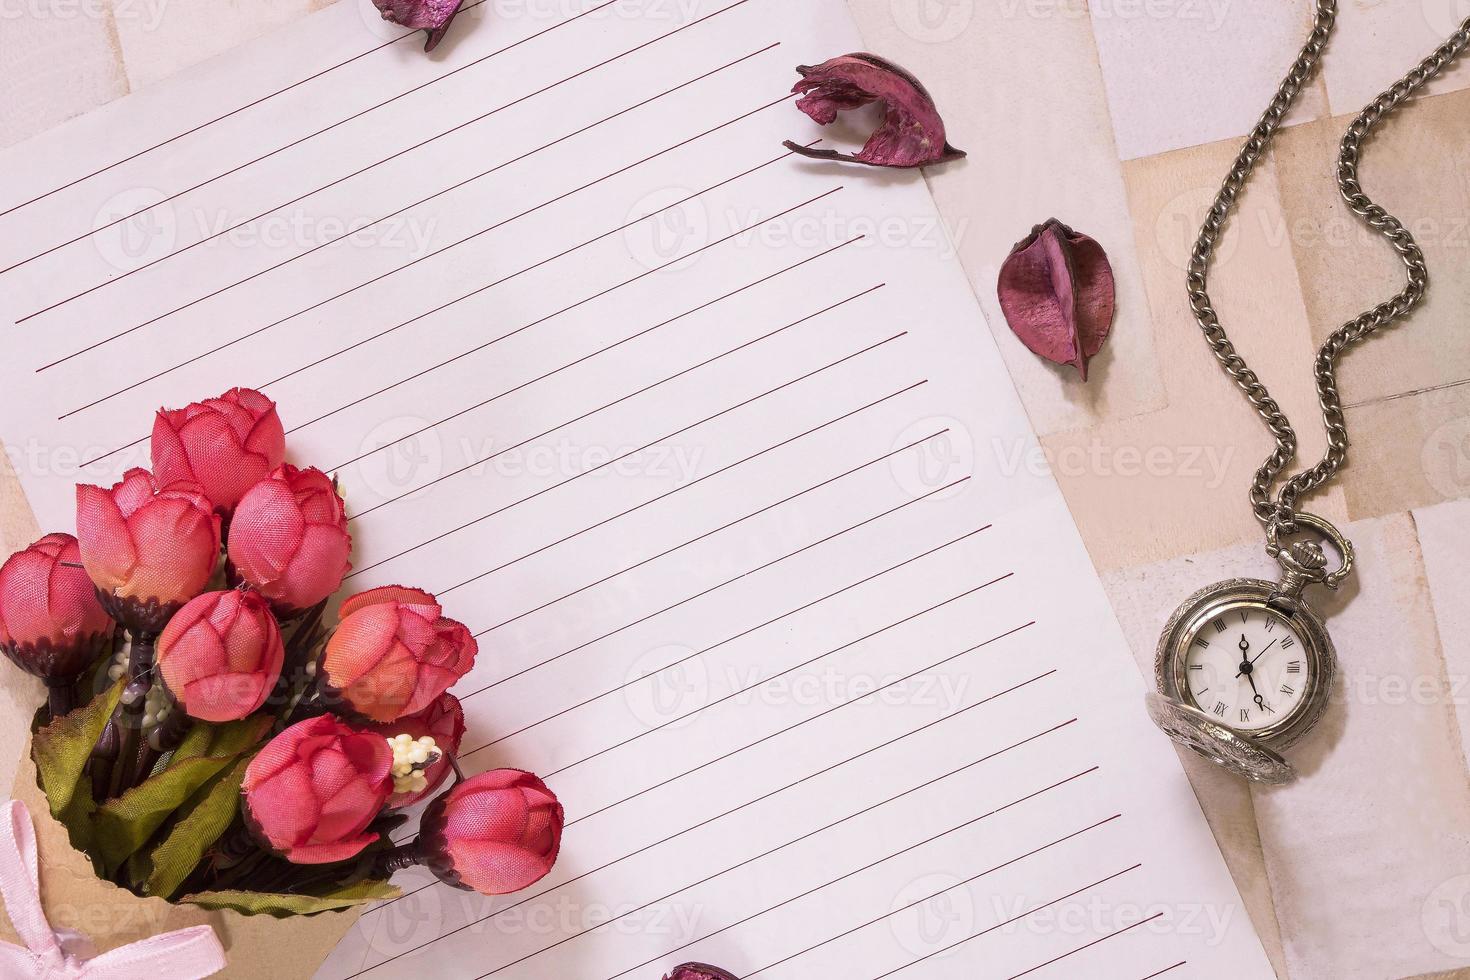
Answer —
1119 117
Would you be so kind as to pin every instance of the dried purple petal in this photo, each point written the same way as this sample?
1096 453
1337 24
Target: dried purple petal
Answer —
433 16
912 134
1056 290
699 971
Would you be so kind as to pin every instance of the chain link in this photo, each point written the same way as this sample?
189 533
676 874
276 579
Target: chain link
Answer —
1281 512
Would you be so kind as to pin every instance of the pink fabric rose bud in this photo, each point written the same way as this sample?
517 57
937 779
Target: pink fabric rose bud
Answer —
288 539
225 444
495 833
433 16
394 653
221 655
912 134
314 789
443 723
700 971
51 624
148 548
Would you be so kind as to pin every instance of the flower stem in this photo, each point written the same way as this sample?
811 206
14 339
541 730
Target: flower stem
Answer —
308 705
61 695
116 752
130 710
166 736
390 861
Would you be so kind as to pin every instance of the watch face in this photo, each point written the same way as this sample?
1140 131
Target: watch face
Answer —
1240 657
1245 665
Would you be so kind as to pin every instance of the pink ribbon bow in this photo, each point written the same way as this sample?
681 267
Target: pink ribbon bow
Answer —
186 954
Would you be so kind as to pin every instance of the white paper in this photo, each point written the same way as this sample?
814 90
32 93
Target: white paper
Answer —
708 443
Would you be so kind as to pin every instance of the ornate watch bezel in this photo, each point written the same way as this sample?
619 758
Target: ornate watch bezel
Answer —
1170 658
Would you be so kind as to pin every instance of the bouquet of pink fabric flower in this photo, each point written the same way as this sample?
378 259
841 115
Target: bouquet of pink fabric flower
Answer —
208 738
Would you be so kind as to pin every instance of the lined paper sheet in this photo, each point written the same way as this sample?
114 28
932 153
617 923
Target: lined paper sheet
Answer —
707 443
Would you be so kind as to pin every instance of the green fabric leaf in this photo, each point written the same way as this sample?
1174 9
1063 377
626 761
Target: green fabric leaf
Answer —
61 751
123 825
197 742
282 906
209 814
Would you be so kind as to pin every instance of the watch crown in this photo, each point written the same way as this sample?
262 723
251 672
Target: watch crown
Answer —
1309 555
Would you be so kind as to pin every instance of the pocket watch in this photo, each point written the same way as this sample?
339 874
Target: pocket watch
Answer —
1245 667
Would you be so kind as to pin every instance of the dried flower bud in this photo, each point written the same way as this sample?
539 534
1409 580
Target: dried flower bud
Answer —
699 971
433 16
912 134
1056 290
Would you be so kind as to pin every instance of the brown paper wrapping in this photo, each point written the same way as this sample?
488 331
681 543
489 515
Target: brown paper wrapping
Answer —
258 947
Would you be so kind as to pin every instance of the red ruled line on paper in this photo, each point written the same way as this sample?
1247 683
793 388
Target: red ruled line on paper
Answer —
790 843
1000 925
760 568
236 111
1103 939
774 677
775 850
624 456
904 908
586 357
749 803
422 259
715 646
708 476
357 230
475 350
310 136
617 401
704 536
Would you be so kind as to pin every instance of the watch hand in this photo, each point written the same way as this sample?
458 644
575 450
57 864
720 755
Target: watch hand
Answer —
1249 663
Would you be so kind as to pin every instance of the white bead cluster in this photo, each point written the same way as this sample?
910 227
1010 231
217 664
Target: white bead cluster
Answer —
157 707
411 757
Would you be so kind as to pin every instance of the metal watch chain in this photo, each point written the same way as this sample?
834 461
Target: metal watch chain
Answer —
1280 516
1241 713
